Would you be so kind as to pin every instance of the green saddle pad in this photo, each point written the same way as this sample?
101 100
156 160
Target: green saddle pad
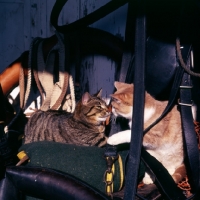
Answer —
86 163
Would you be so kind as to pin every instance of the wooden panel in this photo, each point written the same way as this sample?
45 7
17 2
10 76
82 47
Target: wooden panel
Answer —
70 12
11 1
49 27
35 18
22 20
113 23
43 18
98 72
27 24
11 30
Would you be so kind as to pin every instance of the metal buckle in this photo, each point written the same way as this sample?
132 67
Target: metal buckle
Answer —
185 104
186 87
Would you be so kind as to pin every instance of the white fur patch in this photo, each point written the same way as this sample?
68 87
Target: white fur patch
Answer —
125 136
128 115
120 138
114 112
148 112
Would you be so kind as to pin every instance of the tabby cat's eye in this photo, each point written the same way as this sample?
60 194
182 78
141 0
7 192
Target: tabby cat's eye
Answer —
99 107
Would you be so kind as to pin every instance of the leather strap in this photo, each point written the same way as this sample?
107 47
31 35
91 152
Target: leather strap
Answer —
174 90
163 179
87 20
138 106
129 42
190 140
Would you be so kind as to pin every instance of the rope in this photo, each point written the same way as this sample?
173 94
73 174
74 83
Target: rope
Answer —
21 86
46 79
40 62
63 92
69 103
71 85
28 86
29 76
22 79
178 47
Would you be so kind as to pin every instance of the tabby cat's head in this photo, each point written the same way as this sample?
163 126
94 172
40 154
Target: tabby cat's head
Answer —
122 100
91 109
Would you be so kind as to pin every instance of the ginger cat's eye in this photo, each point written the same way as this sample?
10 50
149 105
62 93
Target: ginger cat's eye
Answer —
116 100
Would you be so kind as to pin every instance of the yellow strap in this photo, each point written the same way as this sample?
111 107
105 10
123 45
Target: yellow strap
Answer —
121 171
110 177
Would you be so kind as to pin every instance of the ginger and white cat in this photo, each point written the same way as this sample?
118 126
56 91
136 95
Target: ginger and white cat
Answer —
164 141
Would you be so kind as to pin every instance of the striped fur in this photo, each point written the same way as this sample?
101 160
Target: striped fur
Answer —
83 127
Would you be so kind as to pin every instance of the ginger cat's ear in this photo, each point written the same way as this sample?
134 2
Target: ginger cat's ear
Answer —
117 84
85 98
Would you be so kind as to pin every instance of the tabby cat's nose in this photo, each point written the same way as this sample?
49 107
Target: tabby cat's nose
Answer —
108 113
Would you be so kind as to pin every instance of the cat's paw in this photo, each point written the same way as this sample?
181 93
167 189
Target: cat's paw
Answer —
120 137
147 179
113 140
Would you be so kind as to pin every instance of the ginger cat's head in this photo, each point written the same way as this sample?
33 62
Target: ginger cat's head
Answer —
122 100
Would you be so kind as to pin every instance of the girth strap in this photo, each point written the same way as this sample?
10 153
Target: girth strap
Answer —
190 140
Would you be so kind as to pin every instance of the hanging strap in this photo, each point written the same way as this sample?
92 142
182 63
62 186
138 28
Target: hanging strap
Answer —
174 90
163 180
190 140
111 151
129 42
138 106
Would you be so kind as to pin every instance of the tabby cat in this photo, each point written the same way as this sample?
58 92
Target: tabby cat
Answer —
164 141
84 127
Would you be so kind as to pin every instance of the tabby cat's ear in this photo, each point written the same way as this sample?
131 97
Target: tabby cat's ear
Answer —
99 93
85 98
